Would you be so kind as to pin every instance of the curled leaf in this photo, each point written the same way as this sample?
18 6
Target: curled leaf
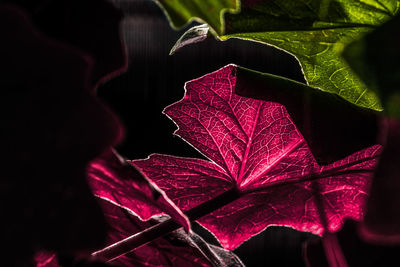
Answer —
193 35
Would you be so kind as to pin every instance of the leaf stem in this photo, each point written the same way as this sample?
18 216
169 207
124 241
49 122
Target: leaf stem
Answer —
139 239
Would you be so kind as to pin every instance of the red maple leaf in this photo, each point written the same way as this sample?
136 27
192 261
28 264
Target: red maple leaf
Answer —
253 146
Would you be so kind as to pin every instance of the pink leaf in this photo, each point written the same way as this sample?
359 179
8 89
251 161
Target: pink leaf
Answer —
254 146
113 179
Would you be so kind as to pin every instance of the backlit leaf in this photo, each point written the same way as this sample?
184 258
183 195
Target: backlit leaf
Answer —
254 146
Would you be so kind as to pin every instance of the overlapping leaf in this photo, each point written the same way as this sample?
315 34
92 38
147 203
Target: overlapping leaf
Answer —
315 32
113 179
181 12
255 147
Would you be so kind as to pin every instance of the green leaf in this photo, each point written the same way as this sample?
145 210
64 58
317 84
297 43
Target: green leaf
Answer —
376 59
182 12
315 32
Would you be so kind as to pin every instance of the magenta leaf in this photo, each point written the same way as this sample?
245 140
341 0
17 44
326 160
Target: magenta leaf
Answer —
113 179
254 146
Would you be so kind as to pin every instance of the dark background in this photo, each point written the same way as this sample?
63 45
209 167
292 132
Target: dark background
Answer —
155 79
